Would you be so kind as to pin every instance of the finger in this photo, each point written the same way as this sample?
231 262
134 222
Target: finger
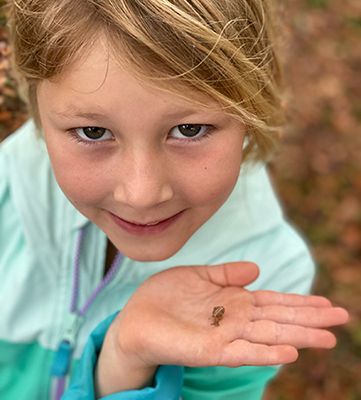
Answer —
268 297
241 352
316 317
272 333
232 274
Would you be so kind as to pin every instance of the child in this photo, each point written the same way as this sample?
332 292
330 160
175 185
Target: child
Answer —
145 111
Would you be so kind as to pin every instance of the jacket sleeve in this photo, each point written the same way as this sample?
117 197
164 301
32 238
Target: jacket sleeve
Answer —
168 379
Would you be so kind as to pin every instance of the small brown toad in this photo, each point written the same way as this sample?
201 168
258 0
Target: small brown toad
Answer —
217 315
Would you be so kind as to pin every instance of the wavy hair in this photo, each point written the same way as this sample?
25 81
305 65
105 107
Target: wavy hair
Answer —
226 49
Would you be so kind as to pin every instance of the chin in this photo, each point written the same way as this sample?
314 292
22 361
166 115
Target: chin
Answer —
151 255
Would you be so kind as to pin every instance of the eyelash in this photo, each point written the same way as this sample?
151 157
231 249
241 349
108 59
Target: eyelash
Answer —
74 136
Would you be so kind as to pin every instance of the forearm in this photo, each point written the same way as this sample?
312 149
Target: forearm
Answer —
117 372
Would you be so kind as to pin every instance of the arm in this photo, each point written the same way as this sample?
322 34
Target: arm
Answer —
167 382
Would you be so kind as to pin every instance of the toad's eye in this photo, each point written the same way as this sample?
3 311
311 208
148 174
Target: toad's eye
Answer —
93 134
190 131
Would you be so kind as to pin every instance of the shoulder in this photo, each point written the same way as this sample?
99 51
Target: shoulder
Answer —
12 238
254 228
12 152
9 226
284 258
23 138
22 157
28 185
266 237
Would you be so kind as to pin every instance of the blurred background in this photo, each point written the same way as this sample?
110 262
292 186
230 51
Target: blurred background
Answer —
317 173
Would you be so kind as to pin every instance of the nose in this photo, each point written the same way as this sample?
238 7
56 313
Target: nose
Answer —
144 180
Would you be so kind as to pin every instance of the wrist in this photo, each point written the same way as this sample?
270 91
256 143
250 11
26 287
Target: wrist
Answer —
117 370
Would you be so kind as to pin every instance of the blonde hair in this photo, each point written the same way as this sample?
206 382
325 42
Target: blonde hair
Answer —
223 48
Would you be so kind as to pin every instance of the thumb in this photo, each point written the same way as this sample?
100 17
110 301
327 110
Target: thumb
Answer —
233 273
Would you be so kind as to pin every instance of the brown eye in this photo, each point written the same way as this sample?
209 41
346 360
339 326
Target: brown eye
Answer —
93 134
189 130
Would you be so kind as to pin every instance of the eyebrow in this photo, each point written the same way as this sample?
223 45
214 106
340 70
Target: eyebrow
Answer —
74 112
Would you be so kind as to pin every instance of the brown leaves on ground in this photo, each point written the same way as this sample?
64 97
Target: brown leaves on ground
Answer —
12 109
318 176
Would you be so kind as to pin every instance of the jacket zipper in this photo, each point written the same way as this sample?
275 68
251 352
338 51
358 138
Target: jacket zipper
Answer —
63 356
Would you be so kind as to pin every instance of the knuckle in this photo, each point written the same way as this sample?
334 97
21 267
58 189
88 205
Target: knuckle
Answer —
247 330
278 333
275 332
259 313
292 315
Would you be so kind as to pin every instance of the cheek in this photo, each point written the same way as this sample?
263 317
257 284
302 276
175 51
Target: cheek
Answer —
82 184
211 179
81 187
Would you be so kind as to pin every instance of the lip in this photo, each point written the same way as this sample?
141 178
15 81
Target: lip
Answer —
156 227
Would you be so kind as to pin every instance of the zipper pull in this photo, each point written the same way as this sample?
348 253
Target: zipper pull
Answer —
63 355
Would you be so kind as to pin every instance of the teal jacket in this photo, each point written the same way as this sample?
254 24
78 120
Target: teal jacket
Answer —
39 228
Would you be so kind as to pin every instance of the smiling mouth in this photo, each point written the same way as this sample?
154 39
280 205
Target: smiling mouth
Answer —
159 221
152 227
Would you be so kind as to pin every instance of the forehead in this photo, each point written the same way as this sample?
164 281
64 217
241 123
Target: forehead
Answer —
99 75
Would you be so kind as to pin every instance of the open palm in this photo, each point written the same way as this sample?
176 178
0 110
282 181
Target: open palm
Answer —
168 320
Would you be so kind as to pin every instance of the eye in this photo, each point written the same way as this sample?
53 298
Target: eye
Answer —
191 132
93 134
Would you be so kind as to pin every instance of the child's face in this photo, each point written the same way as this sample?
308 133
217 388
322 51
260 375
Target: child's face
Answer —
140 165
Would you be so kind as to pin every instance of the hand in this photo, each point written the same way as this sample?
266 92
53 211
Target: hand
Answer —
166 321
